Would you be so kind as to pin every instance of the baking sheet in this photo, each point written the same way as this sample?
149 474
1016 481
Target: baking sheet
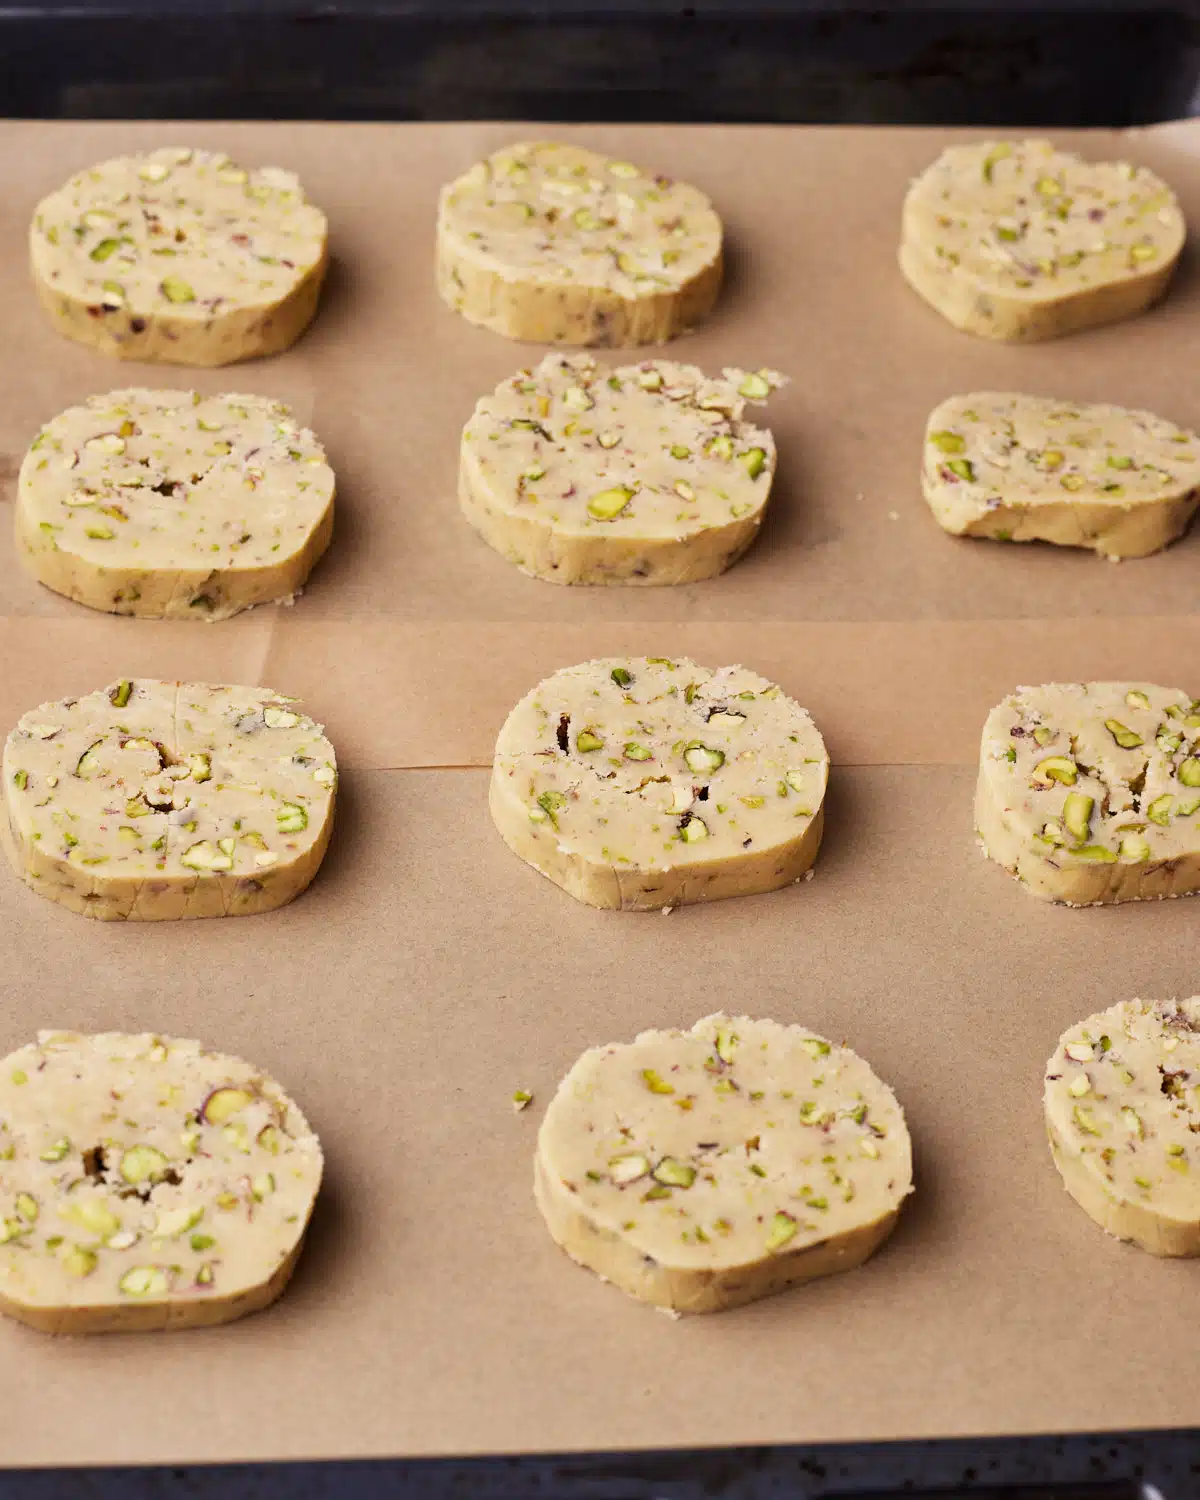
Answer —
428 974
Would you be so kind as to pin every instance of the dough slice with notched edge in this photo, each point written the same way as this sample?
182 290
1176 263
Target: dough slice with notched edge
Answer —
1015 240
699 1170
1122 1105
638 783
181 257
1026 468
146 1183
171 505
1090 792
149 801
645 474
558 245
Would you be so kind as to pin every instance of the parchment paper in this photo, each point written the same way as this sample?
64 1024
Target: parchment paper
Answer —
427 974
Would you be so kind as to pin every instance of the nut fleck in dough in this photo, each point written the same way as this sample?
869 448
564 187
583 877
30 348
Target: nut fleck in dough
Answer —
558 245
637 783
1014 240
180 257
150 801
646 474
146 1183
171 505
1089 792
1122 1112
703 1169
1025 468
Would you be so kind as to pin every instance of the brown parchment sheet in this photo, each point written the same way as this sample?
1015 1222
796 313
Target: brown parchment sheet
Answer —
428 973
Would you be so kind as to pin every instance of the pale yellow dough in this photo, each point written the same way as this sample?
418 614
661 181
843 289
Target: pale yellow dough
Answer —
699 1170
1090 792
644 474
146 1183
170 505
149 801
1122 1102
638 783
555 244
1017 241
180 257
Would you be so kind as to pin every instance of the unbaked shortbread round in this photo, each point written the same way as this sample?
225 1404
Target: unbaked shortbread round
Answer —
638 783
645 474
1122 1112
1026 468
1014 240
557 245
181 257
1089 792
146 1183
171 505
149 801
699 1170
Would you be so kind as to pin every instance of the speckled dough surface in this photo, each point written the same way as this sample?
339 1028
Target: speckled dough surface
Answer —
644 474
1028 468
174 506
1089 792
559 245
639 782
1122 1105
1014 240
148 801
699 1170
145 1184
179 256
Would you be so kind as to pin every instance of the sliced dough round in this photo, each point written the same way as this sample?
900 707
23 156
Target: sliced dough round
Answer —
146 1183
181 257
637 783
1089 792
171 505
703 1169
558 245
1026 468
1122 1105
646 474
1014 240
149 801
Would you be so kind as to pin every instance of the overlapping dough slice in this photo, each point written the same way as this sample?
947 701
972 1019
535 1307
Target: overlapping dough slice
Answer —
179 256
146 1183
1090 792
639 783
702 1169
644 474
150 801
1015 240
1122 1102
559 245
1028 468
171 505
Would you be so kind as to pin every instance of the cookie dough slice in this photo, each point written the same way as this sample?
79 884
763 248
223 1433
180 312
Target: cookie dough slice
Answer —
637 783
1015 240
181 257
146 1183
1026 468
171 505
702 1169
558 245
1090 792
645 474
149 801
1122 1105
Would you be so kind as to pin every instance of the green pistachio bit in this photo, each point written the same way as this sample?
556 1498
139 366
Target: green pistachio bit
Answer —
291 818
755 388
1168 743
1128 739
649 380
20 780
1053 459
1137 699
655 1083
963 467
1132 1120
693 830
1042 735
727 1042
144 1281
701 759
119 696
143 1164
1060 768
630 1167
1085 1120
754 461
1077 814
105 249
27 1208
1116 461
57 1151
205 855
679 451
1072 481
948 442
1096 853
92 1214
634 751
175 289
1189 772
201 1242
721 447
1052 834
672 1173
586 741
997 153
1134 848
20 1076
1159 810
1186 809
79 1262
621 677
100 533
783 1231
608 504
549 804
815 1047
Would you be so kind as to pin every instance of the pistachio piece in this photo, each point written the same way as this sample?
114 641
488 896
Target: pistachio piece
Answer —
1077 814
1159 810
673 1173
608 504
143 1164
586 741
623 1169
1060 768
704 760
1128 739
